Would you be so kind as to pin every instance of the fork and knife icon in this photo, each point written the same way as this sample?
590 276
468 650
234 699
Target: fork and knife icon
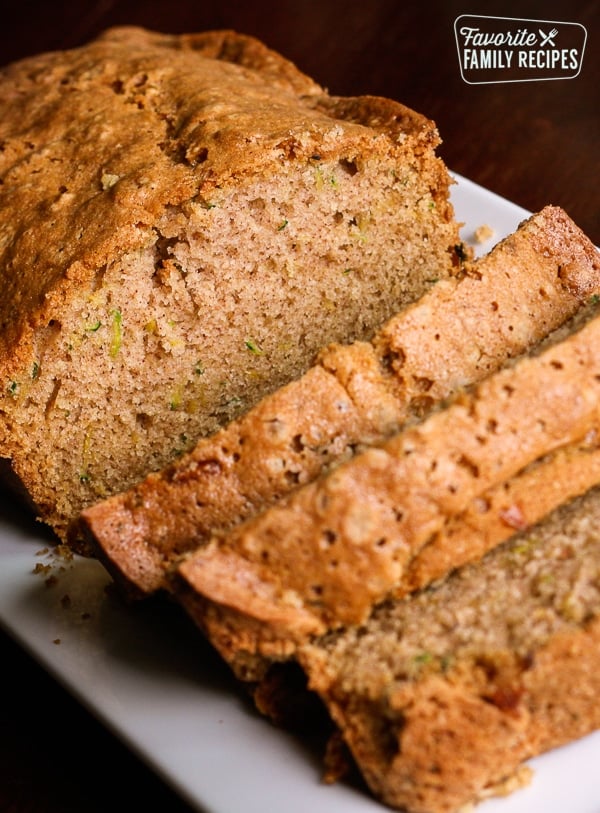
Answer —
548 39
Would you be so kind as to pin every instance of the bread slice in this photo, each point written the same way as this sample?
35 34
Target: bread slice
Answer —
185 221
356 394
500 512
443 695
325 555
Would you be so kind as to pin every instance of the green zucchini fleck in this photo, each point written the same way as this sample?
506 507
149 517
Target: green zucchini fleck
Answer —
253 347
117 333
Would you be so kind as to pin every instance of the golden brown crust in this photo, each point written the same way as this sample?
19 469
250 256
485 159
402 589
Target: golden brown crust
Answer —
355 395
224 45
206 142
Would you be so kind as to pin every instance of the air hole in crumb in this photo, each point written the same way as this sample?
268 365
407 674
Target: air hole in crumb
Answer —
257 205
348 166
338 217
423 384
393 359
143 420
329 536
421 405
297 444
163 250
469 465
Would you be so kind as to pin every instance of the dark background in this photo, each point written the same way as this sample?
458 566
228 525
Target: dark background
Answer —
534 143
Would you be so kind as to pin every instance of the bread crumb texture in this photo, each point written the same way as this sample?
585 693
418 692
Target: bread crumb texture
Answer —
185 221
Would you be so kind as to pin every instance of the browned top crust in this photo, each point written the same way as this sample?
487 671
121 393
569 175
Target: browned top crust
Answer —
95 143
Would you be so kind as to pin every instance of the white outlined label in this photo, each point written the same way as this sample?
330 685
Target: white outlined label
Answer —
511 49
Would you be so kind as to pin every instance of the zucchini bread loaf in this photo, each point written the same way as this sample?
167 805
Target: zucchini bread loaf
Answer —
184 222
441 696
356 394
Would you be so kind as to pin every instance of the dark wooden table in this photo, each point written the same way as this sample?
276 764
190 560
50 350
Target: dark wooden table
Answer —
532 142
